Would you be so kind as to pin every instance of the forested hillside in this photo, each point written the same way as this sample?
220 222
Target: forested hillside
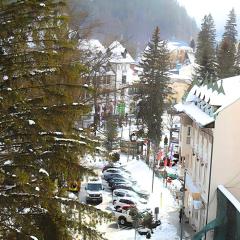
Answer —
134 20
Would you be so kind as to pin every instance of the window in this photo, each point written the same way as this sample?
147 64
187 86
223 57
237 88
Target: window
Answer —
188 135
108 79
124 79
119 194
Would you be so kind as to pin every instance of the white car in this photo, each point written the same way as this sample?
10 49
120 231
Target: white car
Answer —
122 202
124 193
117 171
128 201
94 189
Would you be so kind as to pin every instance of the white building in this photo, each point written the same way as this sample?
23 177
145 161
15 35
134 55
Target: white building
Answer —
123 65
208 115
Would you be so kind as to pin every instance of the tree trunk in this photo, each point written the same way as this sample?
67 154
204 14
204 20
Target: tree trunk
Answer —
148 152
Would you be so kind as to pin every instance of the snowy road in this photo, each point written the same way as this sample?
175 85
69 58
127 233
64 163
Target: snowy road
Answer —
161 197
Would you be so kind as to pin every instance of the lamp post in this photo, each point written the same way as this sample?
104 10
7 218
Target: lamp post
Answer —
154 160
182 207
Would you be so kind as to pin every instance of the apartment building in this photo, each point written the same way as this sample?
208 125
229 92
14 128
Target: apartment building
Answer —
209 143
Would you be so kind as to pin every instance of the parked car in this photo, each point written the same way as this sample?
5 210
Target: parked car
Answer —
111 171
124 202
118 180
94 191
120 193
111 165
123 216
136 189
113 175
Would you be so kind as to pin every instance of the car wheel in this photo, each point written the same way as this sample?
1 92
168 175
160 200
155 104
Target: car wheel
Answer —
122 221
117 207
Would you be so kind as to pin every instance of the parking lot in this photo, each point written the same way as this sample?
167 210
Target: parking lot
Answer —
160 197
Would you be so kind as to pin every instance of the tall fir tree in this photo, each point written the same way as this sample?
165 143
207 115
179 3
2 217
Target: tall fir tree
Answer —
154 86
40 147
206 70
237 64
227 49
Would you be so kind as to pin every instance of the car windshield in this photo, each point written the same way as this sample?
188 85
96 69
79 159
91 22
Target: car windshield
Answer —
94 186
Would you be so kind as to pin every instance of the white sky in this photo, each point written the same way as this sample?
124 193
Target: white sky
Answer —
218 8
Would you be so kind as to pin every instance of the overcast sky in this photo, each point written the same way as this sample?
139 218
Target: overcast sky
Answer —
218 8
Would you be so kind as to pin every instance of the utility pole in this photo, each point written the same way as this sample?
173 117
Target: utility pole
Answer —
154 160
184 184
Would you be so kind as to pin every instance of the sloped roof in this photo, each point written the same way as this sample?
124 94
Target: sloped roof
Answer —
231 87
117 53
218 100
178 46
92 45
195 113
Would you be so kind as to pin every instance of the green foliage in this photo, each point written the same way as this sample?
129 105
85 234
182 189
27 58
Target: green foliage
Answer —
227 48
147 220
154 87
111 131
206 71
41 100
114 156
237 65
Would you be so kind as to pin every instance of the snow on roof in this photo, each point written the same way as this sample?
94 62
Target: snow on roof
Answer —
195 113
93 45
172 46
191 57
118 52
231 87
231 92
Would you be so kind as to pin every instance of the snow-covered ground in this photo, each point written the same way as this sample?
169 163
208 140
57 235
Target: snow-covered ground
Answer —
161 197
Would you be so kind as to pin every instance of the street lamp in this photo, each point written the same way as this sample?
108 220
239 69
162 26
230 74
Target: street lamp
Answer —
182 207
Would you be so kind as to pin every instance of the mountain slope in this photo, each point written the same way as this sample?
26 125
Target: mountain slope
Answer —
134 20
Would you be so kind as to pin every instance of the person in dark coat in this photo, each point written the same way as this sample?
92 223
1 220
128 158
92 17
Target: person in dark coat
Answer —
180 215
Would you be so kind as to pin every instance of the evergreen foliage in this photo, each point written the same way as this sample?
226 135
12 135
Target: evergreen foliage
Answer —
227 48
237 64
206 70
154 88
192 44
40 147
111 131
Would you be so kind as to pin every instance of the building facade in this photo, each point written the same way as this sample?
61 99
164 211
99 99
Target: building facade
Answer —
209 138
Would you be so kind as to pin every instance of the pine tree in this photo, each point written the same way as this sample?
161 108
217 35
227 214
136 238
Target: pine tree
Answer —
206 70
154 88
40 147
192 44
227 48
237 64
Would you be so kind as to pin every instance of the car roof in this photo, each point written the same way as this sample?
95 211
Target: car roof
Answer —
95 180
113 169
124 190
126 198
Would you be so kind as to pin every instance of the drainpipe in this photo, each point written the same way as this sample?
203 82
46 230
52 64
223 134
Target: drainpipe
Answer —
209 186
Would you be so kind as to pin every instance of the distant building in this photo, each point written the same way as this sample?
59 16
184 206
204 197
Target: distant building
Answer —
123 65
209 144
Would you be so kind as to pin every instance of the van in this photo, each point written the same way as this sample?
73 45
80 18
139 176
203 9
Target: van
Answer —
94 189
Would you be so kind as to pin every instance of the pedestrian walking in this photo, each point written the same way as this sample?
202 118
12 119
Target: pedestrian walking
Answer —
180 215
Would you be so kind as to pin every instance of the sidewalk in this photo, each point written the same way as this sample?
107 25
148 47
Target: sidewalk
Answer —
170 229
